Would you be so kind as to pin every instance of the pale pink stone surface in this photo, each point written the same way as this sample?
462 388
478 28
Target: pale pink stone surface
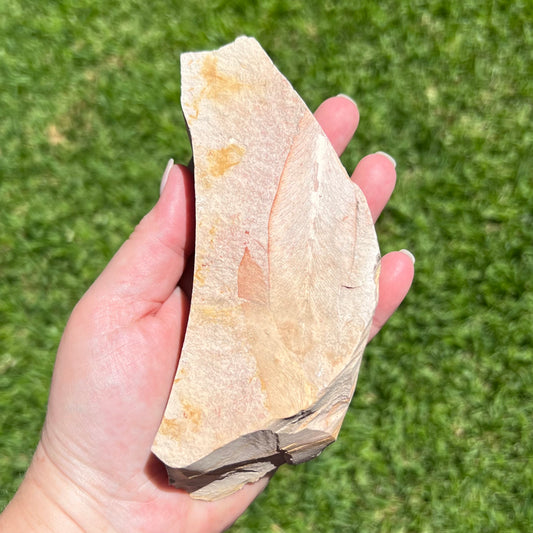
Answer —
285 280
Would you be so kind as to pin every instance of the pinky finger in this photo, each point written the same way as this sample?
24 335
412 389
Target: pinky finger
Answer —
397 272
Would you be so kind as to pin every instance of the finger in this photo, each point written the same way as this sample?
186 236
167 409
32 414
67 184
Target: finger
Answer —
376 176
150 263
172 320
171 325
397 272
224 512
338 116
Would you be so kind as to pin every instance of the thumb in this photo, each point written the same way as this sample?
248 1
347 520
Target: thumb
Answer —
150 263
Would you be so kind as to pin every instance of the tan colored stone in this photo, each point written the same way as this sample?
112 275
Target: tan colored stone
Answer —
285 280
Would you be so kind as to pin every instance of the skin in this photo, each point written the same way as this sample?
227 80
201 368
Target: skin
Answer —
93 469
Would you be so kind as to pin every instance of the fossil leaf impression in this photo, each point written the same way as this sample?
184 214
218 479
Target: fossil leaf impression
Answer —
285 280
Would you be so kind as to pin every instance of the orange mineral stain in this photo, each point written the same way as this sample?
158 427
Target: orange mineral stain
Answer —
199 274
170 427
221 160
217 314
192 414
219 85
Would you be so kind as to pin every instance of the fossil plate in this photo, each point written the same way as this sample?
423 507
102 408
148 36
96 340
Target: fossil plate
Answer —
285 280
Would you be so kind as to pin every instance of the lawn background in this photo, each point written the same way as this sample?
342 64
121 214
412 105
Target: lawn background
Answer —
439 436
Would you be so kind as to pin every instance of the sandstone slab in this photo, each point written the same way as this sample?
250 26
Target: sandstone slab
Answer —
285 280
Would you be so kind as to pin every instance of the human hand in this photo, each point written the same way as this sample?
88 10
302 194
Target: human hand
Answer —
93 469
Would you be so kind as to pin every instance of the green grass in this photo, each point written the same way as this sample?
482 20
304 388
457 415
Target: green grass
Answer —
439 434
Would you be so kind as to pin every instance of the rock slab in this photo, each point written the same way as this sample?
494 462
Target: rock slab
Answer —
285 280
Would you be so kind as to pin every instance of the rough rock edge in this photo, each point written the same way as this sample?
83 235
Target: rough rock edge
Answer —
205 481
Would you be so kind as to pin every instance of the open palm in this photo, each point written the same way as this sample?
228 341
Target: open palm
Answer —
119 353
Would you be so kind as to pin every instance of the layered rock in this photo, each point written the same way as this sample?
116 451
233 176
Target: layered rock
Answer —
285 280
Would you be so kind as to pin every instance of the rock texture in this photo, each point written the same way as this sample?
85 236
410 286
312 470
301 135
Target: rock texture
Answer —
285 280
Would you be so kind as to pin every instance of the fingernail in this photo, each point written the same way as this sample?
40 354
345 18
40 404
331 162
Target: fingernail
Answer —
348 98
409 255
164 179
389 157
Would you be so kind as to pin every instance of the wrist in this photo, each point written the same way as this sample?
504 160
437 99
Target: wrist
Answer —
47 501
